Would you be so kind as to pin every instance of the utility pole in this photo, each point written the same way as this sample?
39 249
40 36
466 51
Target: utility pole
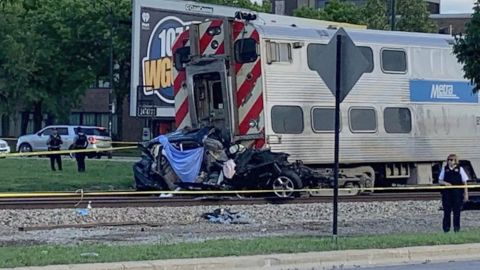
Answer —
110 91
392 14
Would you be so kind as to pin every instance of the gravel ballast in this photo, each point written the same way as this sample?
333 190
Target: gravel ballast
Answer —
185 224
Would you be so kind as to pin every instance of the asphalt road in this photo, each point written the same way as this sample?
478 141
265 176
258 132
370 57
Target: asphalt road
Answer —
466 265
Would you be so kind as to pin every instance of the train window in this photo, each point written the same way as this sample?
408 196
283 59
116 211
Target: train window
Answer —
287 119
368 53
323 119
246 50
181 57
279 52
394 61
363 120
313 51
397 120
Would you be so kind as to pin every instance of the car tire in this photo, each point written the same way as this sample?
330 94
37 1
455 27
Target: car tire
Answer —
25 148
284 184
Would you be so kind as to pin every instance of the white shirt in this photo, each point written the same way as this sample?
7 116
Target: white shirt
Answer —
462 173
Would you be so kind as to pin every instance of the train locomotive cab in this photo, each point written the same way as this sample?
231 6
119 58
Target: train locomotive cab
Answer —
207 60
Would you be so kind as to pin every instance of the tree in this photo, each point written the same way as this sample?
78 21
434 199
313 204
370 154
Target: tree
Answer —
120 19
18 56
467 49
336 10
66 55
53 50
342 11
414 16
247 4
307 12
375 14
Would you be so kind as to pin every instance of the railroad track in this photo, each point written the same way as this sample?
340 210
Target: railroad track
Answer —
155 201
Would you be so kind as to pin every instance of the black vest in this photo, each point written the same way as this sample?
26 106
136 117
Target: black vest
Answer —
55 141
453 176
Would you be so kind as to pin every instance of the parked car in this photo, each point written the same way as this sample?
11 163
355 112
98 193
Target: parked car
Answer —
4 148
97 138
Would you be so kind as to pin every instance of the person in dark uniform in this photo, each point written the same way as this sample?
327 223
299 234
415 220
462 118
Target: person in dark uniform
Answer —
54 142
81 142
453 198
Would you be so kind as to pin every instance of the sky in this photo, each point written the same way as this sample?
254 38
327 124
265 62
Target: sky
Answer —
456 6
446 6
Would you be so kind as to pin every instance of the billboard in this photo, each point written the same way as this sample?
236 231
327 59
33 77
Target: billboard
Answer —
156 24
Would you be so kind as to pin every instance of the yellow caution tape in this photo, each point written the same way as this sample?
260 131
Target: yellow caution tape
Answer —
46 153
126 143
113 142
209 192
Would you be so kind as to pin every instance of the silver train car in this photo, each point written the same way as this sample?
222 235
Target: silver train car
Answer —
398 124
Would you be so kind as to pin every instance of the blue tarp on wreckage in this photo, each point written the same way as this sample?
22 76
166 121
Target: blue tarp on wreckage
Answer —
186 163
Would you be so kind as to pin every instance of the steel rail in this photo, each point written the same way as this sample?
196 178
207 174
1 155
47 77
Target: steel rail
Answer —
178 201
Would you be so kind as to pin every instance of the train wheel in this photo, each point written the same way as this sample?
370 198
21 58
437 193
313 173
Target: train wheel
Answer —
354 188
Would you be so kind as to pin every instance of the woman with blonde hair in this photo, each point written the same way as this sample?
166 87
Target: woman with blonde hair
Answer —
455 179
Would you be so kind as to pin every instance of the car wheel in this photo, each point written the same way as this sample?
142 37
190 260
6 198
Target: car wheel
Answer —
25 148
285 184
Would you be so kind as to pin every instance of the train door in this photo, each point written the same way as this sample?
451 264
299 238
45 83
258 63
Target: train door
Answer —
209 97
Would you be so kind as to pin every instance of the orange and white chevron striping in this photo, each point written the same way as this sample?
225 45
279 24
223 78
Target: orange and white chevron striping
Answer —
248 78
182 117
206 40
249 87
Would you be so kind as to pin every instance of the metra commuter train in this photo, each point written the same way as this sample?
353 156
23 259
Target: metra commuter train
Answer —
258 83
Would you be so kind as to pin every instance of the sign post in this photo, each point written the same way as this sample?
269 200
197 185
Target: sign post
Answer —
350 64
338 79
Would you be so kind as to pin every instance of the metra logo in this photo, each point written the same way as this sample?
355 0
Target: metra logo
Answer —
443 91
157 65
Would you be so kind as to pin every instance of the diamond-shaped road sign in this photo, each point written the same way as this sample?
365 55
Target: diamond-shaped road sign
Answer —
353 64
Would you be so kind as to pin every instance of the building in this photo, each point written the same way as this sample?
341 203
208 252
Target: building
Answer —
286 7
452 24
93 110
447 23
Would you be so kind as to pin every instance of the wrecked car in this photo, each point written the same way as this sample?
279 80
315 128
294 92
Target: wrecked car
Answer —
201 159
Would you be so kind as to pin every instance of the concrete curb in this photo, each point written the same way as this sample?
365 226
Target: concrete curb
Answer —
310 260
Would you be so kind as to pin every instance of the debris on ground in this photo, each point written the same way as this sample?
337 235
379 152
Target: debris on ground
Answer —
472 204
225 216
82 211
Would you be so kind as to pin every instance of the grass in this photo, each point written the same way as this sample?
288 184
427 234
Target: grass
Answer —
31 174
16 256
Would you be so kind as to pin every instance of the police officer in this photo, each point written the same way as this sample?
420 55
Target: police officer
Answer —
453 198
54 142
81 142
